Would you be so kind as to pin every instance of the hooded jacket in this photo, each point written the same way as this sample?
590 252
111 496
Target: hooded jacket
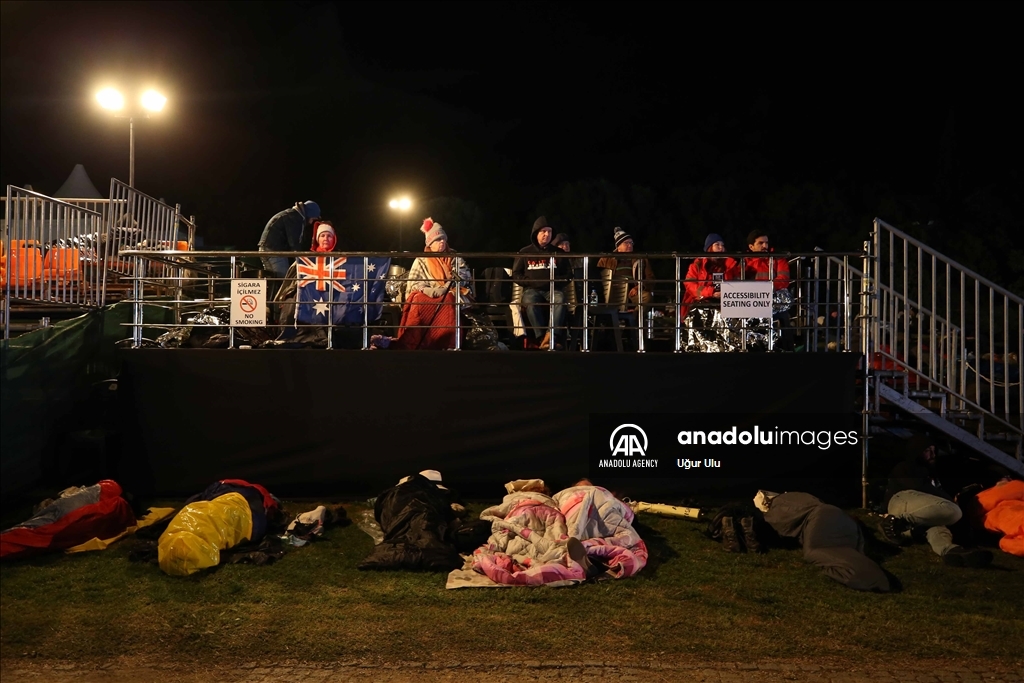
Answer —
533 269
288 230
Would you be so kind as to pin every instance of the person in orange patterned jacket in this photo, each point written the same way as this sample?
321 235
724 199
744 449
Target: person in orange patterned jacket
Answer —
428 318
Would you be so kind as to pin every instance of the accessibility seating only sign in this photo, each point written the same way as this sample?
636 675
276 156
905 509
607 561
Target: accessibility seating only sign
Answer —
746 299
248 303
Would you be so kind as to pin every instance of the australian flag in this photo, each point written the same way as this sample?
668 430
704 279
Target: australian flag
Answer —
335 288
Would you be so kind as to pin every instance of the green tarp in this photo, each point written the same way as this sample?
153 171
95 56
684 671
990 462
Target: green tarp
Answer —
49 380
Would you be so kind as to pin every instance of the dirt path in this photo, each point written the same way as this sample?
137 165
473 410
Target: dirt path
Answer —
15 670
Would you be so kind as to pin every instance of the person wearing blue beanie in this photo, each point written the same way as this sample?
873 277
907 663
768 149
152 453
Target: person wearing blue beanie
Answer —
705 276
713 239
288 230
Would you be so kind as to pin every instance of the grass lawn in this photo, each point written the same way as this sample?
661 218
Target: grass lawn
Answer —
693 600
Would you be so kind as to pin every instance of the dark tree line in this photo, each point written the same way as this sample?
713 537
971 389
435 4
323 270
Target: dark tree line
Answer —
979 231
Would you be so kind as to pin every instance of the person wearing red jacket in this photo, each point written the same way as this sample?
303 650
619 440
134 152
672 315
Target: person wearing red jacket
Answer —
705 275
762 268
769 268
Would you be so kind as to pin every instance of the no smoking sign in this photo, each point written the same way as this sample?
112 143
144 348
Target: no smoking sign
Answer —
248 303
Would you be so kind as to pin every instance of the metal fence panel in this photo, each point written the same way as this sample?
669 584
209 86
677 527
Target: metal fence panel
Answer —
51 252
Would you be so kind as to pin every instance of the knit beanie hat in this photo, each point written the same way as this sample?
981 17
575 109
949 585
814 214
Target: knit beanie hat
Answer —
621 236
432 231
323 226
711 239
311 209
559 238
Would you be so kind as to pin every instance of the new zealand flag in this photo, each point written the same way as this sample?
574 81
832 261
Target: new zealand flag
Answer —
336 287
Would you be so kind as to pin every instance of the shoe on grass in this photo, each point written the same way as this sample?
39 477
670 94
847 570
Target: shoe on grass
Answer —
730 538
895 530
975 558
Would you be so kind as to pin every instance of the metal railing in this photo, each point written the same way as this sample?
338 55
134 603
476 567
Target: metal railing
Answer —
137 221
51 252
64 252
649 321
951 331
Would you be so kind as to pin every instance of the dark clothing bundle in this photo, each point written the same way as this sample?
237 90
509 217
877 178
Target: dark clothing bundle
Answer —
419 528
831 539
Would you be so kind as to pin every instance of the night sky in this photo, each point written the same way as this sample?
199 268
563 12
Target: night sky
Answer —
671 119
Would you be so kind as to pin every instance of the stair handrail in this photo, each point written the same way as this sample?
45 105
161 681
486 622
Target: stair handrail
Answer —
955 382
858 272
945 259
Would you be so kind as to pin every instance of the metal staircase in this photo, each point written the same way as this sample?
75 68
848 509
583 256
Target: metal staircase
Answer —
942 344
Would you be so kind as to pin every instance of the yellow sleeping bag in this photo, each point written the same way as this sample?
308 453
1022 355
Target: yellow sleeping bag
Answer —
194 538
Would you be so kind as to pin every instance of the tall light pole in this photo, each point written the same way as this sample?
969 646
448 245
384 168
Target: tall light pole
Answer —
401 206
150 101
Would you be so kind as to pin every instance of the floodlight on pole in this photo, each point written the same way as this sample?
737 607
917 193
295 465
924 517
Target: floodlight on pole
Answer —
110 99
150 101
401 205
153 101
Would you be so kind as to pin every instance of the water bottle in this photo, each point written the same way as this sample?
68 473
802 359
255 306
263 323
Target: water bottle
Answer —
593 297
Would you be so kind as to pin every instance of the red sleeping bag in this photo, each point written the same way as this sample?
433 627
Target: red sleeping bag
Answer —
97 511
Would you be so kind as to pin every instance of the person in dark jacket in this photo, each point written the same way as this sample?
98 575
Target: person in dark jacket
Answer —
420 520
915 498
831 539
288 230
532 270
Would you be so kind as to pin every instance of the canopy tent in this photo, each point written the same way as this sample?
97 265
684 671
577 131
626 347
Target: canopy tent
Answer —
78 186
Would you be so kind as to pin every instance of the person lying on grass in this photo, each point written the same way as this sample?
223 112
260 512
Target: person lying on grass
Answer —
541 539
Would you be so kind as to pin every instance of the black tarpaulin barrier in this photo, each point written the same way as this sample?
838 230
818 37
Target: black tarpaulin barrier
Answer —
52 387
313 422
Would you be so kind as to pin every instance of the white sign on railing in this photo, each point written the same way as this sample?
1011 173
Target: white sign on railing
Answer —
248 303
746 299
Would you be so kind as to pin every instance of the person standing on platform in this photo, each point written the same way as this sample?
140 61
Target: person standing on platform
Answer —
532 270
288 230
